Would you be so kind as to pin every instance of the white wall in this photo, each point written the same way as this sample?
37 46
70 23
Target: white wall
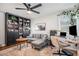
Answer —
77 26
2 28
50 21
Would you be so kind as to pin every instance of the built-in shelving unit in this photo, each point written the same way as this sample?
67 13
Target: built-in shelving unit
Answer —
16 26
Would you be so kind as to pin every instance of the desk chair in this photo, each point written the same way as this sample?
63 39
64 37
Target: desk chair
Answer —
57 45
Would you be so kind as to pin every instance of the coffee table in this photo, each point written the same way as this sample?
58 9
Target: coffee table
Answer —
21 41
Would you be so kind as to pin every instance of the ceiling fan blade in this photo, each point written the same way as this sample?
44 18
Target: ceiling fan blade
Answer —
35 11
20 8
29 4
26 5
36 6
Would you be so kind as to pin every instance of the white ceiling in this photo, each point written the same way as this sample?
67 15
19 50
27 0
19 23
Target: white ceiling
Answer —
45 9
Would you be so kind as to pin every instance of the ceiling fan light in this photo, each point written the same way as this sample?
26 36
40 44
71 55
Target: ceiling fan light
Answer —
29 12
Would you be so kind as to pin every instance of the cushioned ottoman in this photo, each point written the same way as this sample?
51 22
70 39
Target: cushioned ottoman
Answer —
38 44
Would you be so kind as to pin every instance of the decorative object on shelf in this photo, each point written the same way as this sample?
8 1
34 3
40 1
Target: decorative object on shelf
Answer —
13 18
41 26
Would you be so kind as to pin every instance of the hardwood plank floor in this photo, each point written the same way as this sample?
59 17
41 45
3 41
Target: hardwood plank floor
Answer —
13 50
6 47
26 51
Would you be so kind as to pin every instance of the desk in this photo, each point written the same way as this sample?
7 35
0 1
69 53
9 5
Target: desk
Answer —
73 41
21 41
75 47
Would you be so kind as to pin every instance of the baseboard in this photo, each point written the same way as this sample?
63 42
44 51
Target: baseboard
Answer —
1 45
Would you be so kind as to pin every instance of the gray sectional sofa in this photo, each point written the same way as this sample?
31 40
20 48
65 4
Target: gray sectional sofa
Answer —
39 40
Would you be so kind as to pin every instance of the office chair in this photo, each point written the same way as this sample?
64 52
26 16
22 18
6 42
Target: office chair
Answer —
57 45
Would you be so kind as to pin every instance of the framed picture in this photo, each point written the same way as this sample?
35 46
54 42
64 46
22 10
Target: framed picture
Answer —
41 26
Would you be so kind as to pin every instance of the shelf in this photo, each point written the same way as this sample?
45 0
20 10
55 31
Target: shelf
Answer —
16 26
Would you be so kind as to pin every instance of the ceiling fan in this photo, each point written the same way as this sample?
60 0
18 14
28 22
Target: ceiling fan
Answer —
29 8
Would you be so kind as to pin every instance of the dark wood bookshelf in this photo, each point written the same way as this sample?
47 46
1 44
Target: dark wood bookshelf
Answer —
16 26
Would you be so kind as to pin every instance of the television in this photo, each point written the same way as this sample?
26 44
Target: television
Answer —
73 30
62 34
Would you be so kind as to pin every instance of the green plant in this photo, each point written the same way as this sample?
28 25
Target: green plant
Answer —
71 13
12 18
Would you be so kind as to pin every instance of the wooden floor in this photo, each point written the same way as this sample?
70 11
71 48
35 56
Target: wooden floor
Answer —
13 50
25 51
6 47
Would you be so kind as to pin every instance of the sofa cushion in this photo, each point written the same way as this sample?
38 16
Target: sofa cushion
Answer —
38 42
44 37
40 36
36 36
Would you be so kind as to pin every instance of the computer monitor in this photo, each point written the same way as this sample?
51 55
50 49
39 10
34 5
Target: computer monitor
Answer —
73 30
62 34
